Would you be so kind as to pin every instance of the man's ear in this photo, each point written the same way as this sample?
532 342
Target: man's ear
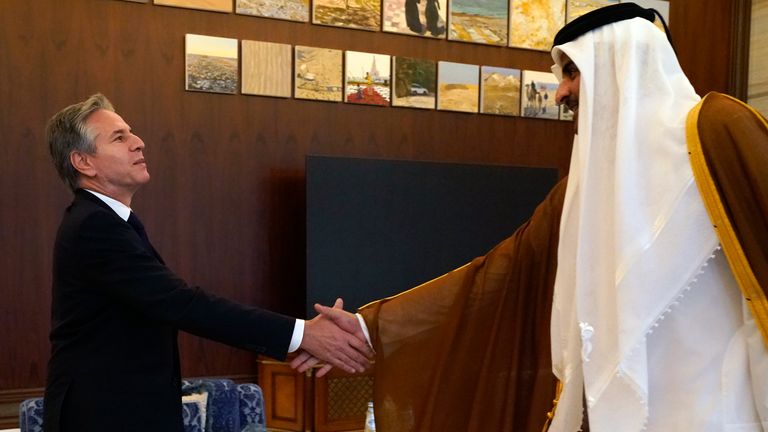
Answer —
82 163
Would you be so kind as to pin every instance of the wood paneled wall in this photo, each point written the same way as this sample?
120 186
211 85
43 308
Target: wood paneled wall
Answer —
225 205
710 43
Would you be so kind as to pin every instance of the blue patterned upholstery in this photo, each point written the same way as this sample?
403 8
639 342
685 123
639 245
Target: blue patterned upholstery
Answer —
229 407
221 413
31 415
251 408
192 416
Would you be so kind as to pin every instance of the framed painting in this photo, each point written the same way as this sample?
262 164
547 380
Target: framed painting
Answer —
538 95
317 74
210 5
749 76
457 86
211 64
478 21
534 23
415 83
367 78
577 8
266 69
660 5
355 14
499 91
566 113
291 10
415 17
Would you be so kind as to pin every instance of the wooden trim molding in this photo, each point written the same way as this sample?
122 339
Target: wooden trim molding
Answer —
741 17
238 379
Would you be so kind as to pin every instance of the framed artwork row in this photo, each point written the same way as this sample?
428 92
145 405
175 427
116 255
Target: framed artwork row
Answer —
224 65
527 24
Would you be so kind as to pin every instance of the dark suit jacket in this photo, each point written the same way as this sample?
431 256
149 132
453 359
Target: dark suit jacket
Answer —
115 314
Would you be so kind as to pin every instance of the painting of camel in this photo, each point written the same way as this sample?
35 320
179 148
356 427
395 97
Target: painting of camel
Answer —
566 114
538 95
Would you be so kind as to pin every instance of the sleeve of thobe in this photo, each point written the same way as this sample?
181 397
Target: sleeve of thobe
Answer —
470 349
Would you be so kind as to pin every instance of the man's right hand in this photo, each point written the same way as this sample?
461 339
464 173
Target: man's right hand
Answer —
345 320
332 339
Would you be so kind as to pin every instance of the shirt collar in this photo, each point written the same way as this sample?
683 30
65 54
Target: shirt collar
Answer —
121 209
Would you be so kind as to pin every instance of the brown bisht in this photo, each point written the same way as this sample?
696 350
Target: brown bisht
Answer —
728 147
470 350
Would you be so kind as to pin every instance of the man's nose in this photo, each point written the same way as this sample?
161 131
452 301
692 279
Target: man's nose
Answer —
138 143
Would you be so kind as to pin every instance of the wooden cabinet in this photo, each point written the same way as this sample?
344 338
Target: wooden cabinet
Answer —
304 402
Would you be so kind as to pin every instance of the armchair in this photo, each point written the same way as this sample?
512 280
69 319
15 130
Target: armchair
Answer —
208 405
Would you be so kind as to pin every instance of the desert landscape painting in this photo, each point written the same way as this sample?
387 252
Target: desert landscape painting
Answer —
538 95
211 5
317 74
211 64
457 86
291 10
367 78
499 91
577 8
415 17
534 23
415 83
266 68
357 14
478 21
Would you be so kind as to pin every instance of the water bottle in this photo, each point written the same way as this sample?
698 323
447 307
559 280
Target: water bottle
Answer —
370 423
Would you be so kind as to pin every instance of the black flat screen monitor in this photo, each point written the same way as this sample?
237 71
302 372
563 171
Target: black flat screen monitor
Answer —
379 227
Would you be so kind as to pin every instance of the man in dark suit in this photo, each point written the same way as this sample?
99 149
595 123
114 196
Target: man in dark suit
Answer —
117 308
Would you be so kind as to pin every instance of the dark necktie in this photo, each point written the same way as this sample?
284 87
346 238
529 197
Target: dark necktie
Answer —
134 221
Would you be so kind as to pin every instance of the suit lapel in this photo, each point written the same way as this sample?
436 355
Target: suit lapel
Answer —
84 195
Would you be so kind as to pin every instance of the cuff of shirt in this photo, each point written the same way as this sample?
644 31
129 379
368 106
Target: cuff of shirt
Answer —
365 329
298 336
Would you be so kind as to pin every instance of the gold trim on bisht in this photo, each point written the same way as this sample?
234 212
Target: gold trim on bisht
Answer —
737 259
551 414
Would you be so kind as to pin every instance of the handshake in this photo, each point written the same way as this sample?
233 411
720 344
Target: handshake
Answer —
335 337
